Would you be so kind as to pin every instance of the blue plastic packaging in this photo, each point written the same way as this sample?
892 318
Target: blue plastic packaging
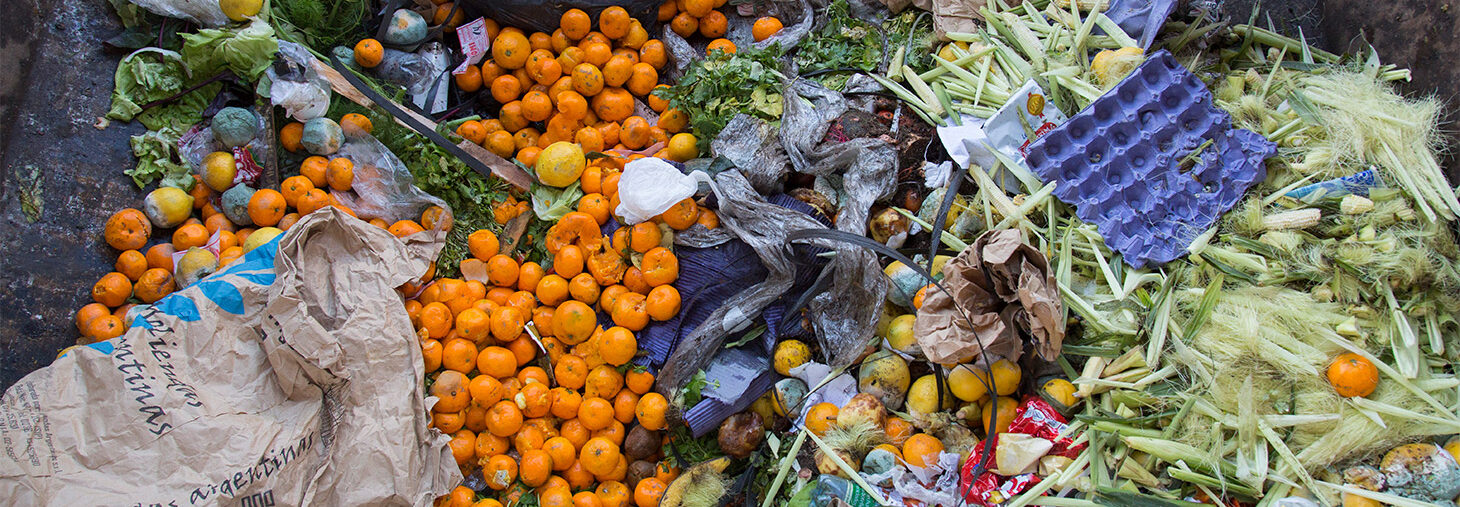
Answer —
1357 183
1153 162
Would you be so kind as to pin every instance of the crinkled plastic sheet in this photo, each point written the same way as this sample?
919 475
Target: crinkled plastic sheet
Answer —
751 142
680 54
295 85
861 171
698 236
412 71
790 35
764 227
383 187
843 316
209 14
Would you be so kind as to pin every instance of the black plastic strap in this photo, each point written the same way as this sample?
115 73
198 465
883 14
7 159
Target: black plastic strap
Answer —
411 121
950 193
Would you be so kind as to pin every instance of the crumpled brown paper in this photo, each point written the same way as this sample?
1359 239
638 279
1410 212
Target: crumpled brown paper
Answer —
291 377
959 16
1003 286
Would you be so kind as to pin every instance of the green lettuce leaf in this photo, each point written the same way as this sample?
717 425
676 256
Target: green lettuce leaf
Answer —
246 51
182 113
158 159
550 203
146 75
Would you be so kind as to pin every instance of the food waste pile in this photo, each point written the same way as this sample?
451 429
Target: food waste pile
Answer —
817 253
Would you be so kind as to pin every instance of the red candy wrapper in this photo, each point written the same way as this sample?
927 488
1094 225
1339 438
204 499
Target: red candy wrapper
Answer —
1036 417
991 490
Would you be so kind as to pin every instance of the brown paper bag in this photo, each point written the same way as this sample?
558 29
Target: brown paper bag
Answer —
288 378
960 16
999 287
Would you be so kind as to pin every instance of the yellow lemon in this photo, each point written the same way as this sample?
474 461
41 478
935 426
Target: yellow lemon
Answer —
239 10
259 237
1060 392
560 164
167 207
790 354
900 335
1006 377
922 397
218 170
682 147
968 382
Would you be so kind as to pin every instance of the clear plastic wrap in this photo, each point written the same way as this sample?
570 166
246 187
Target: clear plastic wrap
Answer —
208 14
295 85
383 186
858 172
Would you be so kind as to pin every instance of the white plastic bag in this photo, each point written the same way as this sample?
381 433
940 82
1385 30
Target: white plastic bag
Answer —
1007 131
649 186
301 91
203 12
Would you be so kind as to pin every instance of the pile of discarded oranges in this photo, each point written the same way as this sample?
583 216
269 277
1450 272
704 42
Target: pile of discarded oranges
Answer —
212 224
538 397
575 85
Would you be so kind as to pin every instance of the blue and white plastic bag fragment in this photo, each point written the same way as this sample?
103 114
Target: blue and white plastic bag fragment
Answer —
291 377
1153 163
1357 183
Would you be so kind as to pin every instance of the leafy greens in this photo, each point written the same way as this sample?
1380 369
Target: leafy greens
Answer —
842 42
246 51
717 88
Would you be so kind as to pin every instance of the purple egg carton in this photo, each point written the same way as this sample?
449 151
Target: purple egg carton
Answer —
1123 162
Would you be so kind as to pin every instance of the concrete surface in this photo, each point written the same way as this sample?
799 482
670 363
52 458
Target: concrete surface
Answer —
58 81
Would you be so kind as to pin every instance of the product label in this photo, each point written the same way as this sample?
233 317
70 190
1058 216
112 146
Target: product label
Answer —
474 43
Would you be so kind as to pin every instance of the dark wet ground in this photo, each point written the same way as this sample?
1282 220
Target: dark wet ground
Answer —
58 79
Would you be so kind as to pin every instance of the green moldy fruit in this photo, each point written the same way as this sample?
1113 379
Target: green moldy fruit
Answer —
235 204
322 136
406 28
235 126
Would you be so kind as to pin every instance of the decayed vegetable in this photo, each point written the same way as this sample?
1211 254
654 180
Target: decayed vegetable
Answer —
639 470
905 283
825 465
788 394
322 136
406 28
863 408
641 443
878 461
888 224
235 204
700 486
741 434
884 375
194 265
1421 471
235 126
